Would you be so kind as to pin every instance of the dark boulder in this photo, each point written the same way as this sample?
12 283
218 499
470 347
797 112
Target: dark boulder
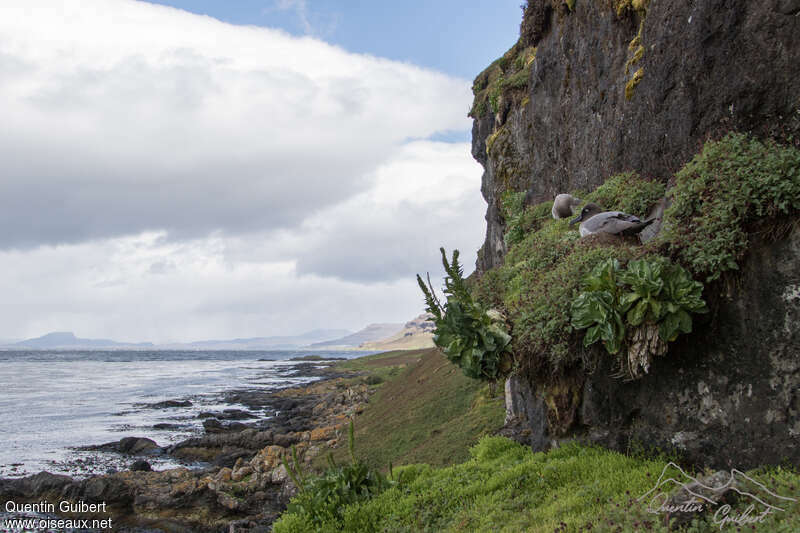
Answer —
212 425
141 466
168 404
228 414
33 486
128 445
229 457
164 425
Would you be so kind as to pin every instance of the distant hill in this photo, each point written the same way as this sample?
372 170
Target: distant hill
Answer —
286 342
67 339
416 334
373 332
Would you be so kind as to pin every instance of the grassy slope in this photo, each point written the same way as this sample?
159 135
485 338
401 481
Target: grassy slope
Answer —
427 411
506 487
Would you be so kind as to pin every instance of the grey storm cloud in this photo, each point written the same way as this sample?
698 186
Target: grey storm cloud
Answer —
133 117
71 206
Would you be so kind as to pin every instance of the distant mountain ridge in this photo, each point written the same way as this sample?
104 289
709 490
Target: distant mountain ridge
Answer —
280 342
68 340
415 334
372 332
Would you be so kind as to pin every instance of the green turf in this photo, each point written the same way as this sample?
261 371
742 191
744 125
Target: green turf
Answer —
426 411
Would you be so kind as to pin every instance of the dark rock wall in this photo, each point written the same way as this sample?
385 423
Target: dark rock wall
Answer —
708 67
727 396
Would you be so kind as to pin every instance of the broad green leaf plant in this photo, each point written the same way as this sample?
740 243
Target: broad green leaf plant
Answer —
640 308
472 337
324 498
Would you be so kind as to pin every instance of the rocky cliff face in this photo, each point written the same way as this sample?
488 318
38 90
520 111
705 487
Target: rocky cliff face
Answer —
604 87
629 85
727 396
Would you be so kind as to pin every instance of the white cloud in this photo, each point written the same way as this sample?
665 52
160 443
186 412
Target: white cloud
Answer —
109 289
425 196
123 116
166 176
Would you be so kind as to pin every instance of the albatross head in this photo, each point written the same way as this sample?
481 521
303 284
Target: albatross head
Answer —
588 211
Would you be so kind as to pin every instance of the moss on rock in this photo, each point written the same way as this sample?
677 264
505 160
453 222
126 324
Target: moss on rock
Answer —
716 199
720 193
627 192
508 73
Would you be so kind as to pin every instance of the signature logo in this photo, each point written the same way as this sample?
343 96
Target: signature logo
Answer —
695 495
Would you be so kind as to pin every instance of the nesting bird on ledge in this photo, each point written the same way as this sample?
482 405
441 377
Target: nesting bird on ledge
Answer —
563 204
594 220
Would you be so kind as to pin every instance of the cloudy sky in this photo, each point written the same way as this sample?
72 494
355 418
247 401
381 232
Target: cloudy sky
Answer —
207 169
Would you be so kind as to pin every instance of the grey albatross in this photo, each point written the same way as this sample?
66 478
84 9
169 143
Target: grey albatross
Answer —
594 220
563 205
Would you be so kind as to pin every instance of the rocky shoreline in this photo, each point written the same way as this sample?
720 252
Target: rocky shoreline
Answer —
240 484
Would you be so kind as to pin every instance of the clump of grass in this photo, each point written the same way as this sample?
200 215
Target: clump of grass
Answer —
627 192
520 219
718 194
322 499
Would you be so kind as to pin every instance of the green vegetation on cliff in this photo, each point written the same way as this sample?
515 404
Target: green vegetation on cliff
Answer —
716 203
544 270
641 308
507 73
721 193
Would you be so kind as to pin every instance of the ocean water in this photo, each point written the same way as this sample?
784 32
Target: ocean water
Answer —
53 401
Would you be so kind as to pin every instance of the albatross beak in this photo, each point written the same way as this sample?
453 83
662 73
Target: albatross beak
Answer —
578 219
